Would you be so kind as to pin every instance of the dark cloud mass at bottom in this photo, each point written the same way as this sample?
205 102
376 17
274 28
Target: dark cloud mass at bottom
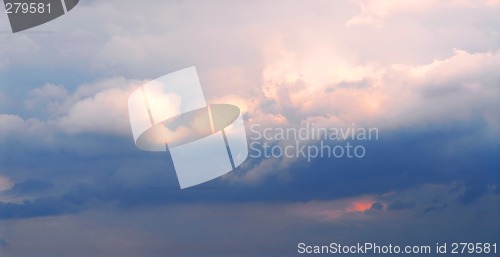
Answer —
399 160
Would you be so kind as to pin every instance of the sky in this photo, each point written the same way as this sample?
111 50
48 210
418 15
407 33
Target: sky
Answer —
423 74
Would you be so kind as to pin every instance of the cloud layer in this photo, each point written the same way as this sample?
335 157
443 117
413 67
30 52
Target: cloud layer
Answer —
424 73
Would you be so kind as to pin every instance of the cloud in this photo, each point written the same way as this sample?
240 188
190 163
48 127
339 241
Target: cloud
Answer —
31 186
398 95
472 193
104 230
437 207
377 206
104 112
401 205
4 64
279 70
5 183
99 107
14 126
71 202
29 209
289 76
48 96
457 89
427 79
4 244
360 206
18 48
376 12
10 124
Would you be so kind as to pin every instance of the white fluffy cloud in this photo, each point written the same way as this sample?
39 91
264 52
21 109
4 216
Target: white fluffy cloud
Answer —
455 88
13 125
103 111
99 107
375 12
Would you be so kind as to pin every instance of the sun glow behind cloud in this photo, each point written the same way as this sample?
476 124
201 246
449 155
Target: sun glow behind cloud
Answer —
360 206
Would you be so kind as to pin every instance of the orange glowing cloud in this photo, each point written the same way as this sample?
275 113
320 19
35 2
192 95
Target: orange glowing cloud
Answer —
360 206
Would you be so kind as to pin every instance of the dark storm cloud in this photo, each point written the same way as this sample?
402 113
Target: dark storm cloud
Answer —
117 173
4 244
377 206
40 207
436 207
401 205
32 186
